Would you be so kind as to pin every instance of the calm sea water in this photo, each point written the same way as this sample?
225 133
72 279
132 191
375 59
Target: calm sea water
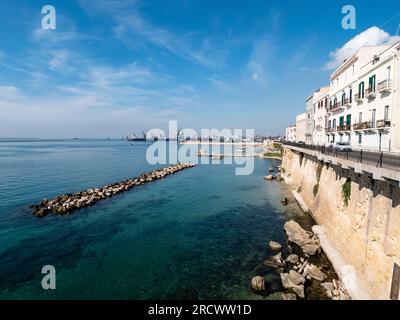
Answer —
199 234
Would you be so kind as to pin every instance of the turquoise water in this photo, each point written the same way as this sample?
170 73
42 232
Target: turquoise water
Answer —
199 234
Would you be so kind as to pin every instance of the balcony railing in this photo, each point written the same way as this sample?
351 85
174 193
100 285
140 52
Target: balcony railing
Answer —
358 97
345 127
385 85
363 125
318 127
335 106
331 129
383 123
346 102
370 94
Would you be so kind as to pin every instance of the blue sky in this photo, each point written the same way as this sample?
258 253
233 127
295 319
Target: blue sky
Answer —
112 67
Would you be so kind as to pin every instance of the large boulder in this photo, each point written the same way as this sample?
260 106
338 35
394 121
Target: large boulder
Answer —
301 237
292 279
275 246
258 283
269 177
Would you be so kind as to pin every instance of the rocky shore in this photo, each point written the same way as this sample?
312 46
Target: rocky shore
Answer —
301 266
67 203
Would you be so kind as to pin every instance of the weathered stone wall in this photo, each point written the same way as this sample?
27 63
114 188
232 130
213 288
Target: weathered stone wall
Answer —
366 231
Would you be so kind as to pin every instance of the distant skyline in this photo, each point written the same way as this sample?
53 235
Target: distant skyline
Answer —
112 67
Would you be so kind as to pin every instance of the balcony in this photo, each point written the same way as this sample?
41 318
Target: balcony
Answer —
346 103
318 127
335 107
385 86
345 127
382 124
358 97
370 94
363 125
330 129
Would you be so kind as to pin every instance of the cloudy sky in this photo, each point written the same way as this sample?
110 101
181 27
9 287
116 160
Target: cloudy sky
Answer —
112 67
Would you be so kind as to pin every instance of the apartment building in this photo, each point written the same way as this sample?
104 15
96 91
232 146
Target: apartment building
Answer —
301 127
320 104
290 133
310 119
362 99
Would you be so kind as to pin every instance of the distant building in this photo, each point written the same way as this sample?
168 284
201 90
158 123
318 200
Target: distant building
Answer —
310 120
301 125
290 133
320 102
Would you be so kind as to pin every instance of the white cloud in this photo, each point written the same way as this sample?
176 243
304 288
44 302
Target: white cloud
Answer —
259 60
10 94
135 31
220 84
370 37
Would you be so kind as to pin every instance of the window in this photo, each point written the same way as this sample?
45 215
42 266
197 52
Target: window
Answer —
351 96
343 98
334 123
373 118
341 121
329 124
348 119
361 89
360 117
386 116
360 139
388 73
371 83
352 69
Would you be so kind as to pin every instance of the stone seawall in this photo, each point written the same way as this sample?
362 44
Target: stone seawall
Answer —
67 203
360 217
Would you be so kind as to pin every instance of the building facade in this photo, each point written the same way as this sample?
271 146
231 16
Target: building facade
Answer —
362 99
320 103
301 126
290 134
310 119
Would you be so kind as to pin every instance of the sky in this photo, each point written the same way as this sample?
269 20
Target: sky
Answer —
113 67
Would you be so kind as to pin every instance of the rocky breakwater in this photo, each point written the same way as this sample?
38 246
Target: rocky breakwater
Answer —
302 269
67 203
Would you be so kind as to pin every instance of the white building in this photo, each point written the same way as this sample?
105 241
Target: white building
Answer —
362 99
320 103
301 125
290 133
310 119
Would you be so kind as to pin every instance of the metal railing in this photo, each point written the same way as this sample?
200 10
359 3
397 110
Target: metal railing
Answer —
363 125
377 159
344 127
382 123
384 85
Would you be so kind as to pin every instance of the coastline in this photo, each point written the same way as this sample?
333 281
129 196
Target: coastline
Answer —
345 272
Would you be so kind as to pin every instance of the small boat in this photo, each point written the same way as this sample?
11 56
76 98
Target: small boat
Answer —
271 169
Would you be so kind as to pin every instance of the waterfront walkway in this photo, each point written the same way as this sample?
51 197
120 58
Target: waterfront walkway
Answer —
381 165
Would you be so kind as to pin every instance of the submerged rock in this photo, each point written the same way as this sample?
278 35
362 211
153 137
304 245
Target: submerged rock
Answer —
258 283
276 246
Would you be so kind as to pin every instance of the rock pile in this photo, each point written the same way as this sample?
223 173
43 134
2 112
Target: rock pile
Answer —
297 268
66 203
